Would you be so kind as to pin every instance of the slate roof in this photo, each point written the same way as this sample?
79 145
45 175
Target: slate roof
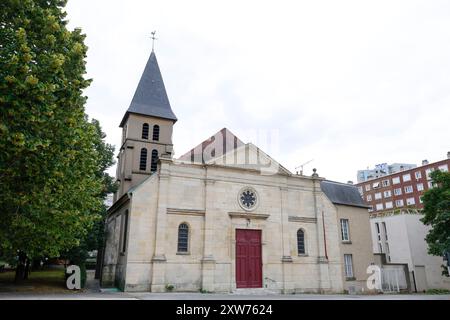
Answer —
342 193
223 141
150 98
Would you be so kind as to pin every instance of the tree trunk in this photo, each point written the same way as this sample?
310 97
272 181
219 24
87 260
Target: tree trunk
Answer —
21 268
99 264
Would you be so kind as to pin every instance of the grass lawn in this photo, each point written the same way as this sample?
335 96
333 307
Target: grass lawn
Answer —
45 281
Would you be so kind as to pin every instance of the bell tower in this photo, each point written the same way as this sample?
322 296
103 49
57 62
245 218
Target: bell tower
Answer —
146 130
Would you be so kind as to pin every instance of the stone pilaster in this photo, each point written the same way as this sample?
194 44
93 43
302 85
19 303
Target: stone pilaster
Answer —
208 261
159 258
324 273
286 258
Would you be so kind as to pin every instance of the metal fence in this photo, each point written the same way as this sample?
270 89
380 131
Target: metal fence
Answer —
393 279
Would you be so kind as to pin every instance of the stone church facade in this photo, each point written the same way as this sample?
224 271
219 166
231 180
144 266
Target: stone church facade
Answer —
222 217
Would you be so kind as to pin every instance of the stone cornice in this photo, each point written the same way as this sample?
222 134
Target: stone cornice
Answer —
302 219
248 215
186 212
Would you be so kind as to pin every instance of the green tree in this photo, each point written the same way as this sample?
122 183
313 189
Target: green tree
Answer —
436 210
49 161
93 240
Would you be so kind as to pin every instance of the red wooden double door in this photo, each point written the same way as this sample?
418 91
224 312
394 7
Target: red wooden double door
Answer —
248 259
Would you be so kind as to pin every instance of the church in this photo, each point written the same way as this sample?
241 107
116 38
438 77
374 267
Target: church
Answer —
223 217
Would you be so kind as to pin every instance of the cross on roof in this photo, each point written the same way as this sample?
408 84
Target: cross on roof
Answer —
153 40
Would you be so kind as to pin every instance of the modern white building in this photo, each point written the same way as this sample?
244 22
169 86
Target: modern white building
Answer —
401 238
382 170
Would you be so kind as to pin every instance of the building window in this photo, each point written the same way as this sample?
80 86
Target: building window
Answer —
418 174
124 231
367 187
419 187
376 185
421 199
348 264
370 208
378 230
360 189
443 168
155 132
389 205
406 177
399 203
379 206
301 242
430 184
410 201
183 238
143 160
428 172
396 180
398 191
387 194
378 196
408 189
145 131
369 197
385 231
154 164
345 232
386 183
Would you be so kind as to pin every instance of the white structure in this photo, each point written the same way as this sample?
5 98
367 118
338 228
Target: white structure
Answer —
382 170
402 238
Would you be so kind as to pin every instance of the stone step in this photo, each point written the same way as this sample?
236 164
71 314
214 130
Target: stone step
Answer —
254 291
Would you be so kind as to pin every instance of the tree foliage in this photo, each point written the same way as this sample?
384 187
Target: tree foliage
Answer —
437 213
52 159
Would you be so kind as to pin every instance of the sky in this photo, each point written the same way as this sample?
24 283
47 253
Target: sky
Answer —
346 84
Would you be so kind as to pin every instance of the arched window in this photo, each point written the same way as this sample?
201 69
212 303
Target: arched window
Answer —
183 237
143 160
156 132
154 164
145 131
301 242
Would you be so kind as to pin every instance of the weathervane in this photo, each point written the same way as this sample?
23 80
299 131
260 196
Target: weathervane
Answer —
153 38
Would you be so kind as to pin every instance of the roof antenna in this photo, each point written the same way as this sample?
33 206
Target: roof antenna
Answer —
153 40
301 167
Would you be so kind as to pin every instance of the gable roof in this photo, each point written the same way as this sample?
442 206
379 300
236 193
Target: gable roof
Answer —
215 146
150 98
224 148
342 193
249 156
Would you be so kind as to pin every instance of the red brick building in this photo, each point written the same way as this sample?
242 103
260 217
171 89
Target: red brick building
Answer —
400 190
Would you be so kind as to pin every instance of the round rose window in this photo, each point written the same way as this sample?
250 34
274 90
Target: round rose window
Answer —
248 198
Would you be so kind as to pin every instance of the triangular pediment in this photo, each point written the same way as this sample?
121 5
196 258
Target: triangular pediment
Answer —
250 157
225 149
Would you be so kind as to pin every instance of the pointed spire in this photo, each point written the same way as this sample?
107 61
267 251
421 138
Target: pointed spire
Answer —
150 98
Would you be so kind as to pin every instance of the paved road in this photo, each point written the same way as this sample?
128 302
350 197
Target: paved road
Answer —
92 292
199 296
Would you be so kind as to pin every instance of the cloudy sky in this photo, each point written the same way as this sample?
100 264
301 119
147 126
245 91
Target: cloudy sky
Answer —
348 84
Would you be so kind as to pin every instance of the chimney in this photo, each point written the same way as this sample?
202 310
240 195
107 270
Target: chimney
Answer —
349 182
424 162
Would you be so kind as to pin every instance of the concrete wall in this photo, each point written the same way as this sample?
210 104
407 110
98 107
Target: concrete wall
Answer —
406 239
360 246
